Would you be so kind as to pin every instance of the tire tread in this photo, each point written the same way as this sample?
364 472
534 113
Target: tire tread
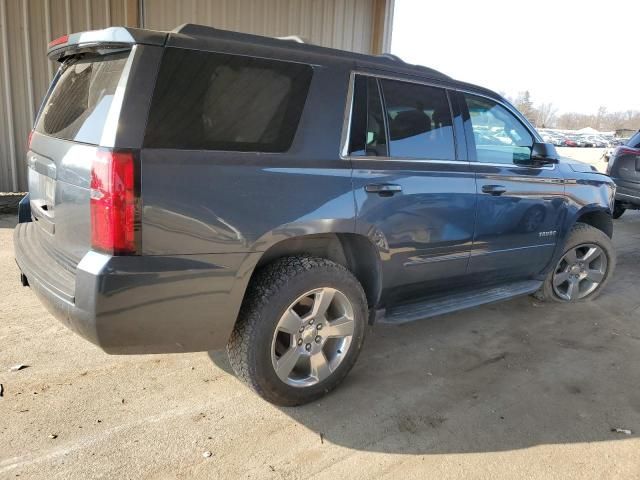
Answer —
271 279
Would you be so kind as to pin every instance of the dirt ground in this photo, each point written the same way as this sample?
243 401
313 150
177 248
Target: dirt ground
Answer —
588 155
517 389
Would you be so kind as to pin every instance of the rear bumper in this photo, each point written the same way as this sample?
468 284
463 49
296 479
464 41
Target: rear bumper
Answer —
139 304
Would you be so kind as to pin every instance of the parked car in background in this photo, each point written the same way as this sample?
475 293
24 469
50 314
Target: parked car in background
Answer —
624 169
598 142
201 189
607 142
591 141
584 141
553 139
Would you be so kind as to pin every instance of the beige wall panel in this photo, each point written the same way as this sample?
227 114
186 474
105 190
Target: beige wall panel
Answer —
26 26
345 24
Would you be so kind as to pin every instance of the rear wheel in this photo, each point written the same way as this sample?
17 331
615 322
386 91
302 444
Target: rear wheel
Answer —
584 268
300 330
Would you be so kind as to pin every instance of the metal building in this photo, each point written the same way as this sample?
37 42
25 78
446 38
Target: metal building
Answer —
27 25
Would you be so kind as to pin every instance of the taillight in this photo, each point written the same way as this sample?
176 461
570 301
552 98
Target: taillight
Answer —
113 203
623 150
58 41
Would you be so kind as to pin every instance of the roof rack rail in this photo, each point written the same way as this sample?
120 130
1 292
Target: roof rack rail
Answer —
392 57
293 38
298 42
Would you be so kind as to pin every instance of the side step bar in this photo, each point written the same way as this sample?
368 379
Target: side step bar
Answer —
439 306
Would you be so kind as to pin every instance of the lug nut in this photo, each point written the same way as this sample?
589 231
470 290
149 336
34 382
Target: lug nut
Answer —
311 322
319 326
301 329
308 346
318 338
299 341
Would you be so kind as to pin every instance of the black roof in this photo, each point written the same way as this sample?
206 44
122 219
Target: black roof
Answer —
208 38
386 61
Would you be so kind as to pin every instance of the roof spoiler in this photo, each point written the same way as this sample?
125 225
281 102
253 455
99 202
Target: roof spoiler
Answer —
108 38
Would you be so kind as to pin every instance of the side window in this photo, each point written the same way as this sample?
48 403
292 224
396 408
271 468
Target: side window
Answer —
368 137
419 118
499 136
216 101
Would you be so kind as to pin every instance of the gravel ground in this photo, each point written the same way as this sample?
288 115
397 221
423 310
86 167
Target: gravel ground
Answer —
517 389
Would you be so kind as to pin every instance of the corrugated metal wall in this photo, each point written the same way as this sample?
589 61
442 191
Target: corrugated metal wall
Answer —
26 26
345 24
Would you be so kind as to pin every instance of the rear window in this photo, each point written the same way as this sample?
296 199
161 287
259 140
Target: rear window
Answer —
215 101
634 142
78 106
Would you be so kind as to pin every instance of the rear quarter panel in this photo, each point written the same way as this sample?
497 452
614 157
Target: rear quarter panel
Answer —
197 202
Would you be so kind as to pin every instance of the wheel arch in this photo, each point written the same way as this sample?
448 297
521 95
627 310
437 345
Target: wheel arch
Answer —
353 251
597 217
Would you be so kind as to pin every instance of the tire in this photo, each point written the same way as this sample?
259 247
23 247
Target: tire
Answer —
583 243
618 210
264 336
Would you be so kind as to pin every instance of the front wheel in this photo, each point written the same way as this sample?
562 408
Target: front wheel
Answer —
299 331
584 268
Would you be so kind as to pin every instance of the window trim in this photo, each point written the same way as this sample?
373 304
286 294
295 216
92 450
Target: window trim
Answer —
346 125
348 112
385 117
385 126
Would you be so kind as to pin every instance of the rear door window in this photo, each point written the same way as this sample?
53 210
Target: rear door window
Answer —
368 135
216 101
419 121
79 103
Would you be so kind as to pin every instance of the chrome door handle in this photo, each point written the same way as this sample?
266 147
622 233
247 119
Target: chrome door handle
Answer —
383 189
494 189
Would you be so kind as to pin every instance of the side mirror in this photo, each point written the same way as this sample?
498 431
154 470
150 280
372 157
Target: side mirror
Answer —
541 154
544 154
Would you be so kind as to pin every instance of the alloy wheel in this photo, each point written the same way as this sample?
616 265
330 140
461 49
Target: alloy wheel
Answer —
580 272
312 337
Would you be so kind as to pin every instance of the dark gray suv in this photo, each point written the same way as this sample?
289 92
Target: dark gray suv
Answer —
197 189
624 169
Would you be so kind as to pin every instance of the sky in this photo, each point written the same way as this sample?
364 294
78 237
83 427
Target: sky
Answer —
578 55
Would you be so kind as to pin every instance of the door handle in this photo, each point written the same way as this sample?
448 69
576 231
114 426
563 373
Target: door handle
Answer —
494 189
383 189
